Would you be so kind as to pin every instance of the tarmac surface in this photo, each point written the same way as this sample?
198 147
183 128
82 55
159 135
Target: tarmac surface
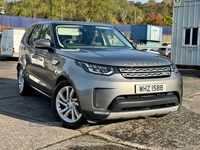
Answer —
28 122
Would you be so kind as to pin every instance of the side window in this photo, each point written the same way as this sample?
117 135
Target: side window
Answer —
34 35
112 39
191 36
45 33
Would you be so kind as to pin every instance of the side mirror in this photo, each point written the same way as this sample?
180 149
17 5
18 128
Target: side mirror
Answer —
42 43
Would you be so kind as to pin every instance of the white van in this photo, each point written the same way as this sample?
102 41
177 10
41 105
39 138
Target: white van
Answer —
10 41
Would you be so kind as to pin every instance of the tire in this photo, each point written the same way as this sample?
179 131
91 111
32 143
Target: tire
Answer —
66 107
23 88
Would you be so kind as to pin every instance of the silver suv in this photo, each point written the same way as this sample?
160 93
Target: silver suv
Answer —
165 51
91 71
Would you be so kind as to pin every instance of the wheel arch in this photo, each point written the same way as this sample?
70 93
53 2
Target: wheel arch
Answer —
62 77
18 66
67 78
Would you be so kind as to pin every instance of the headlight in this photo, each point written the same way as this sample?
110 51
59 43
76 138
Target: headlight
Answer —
174 68
97 69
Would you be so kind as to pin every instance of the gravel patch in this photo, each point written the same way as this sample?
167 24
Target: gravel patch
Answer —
179 130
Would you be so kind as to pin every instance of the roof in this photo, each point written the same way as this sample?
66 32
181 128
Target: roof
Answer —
73 22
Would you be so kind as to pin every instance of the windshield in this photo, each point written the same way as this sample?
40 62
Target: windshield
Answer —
89 36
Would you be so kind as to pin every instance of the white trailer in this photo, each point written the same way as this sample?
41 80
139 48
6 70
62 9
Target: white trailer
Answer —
10 41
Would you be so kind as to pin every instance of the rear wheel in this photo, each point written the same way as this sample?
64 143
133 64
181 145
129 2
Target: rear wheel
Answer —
66 107
23 88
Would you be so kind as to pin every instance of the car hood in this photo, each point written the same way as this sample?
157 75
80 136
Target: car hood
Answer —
115 57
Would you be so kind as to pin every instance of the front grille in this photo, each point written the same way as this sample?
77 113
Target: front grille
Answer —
145 72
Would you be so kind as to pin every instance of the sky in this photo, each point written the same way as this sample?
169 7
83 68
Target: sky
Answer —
145 1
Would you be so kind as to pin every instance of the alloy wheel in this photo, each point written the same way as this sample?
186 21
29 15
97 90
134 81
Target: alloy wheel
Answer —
21 80
67 105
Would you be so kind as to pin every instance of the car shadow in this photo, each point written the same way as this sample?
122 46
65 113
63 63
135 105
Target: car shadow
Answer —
35 108
8 58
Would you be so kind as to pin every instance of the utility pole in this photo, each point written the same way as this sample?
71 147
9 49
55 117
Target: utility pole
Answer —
2 11
135 18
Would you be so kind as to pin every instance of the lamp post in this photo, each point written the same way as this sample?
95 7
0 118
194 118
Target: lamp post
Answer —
2 11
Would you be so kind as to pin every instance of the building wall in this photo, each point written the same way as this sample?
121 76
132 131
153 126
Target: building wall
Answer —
185 16
166 39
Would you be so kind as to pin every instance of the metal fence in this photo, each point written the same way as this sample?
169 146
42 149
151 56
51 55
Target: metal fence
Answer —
24 22
20 22
122 27
167 30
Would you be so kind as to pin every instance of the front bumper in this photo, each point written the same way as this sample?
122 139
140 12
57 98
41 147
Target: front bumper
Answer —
144 113
97 93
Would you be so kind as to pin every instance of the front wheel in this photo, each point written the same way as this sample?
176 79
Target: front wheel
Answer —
66 107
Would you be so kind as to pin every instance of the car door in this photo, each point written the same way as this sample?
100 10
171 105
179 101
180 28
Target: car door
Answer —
46 71
38 75
31 55
45 63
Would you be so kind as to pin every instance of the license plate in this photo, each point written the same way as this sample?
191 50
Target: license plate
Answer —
150 88
3 49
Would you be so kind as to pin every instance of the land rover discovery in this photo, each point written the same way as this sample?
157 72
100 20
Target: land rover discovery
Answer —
91 71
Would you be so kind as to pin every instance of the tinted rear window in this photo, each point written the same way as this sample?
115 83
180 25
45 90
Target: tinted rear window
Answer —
162 48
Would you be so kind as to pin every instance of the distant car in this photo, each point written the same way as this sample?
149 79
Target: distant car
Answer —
165 51
150 50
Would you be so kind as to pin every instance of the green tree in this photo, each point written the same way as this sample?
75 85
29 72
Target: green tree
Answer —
163 9
152 2
107 11
167 21
102 11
